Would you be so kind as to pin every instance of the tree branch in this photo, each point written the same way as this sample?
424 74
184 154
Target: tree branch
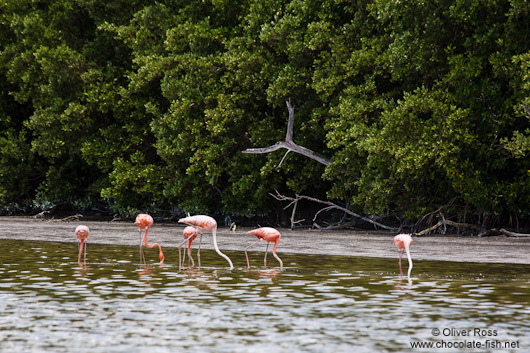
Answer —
290 122
289 143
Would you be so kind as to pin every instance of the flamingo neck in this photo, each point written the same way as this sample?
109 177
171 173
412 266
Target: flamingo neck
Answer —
160 253
410 260
145 236
276 242
274 253
219 251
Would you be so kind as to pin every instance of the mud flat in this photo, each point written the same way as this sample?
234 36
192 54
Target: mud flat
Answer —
498 249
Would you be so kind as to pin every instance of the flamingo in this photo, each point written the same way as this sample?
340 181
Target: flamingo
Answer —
145 221
402 242
270 235
189 233
81 232
205 224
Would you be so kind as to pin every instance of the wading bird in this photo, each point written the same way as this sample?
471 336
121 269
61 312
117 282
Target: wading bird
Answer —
145 221
205 224
81 232
189 233
402 242
270 235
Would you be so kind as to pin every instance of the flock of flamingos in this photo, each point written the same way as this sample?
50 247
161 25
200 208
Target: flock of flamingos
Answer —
197 225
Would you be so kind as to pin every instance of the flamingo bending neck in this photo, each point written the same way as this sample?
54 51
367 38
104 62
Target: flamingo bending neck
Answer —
219 251
160 253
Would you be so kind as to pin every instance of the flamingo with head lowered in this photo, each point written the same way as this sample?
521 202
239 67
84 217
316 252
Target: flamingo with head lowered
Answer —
189 233
205 224
402 242
270 235
145 221
81 232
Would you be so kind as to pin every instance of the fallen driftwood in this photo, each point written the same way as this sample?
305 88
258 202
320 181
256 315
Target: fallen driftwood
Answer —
445 222
42 216
502 231
72 218
330 205
482 232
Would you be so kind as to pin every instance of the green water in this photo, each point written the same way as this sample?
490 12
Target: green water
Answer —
48 303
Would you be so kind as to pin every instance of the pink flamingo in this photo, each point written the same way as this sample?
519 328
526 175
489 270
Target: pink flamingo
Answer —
205 224
402 242
145 221
81 232
189 233
269 235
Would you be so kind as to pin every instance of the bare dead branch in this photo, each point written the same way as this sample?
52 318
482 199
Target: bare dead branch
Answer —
482 231
327 208
289 143
283 158
290 122
502 231
293 214
430 215
330 205
445 222
71 218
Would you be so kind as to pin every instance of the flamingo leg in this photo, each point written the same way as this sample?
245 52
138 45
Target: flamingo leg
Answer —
184 258
189 255
80 251
181 262
199 251
400 256
265 259
246 255
85 254
142 257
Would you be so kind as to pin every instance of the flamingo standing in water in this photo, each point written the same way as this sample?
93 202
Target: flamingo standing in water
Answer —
145 221
270 235
205 224
402 242
189 233
81 232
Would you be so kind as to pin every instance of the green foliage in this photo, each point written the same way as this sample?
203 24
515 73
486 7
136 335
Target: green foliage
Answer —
148 105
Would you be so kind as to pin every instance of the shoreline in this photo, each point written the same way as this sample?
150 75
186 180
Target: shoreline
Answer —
378 244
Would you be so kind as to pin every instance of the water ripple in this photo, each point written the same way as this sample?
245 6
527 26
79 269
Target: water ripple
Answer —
311 306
